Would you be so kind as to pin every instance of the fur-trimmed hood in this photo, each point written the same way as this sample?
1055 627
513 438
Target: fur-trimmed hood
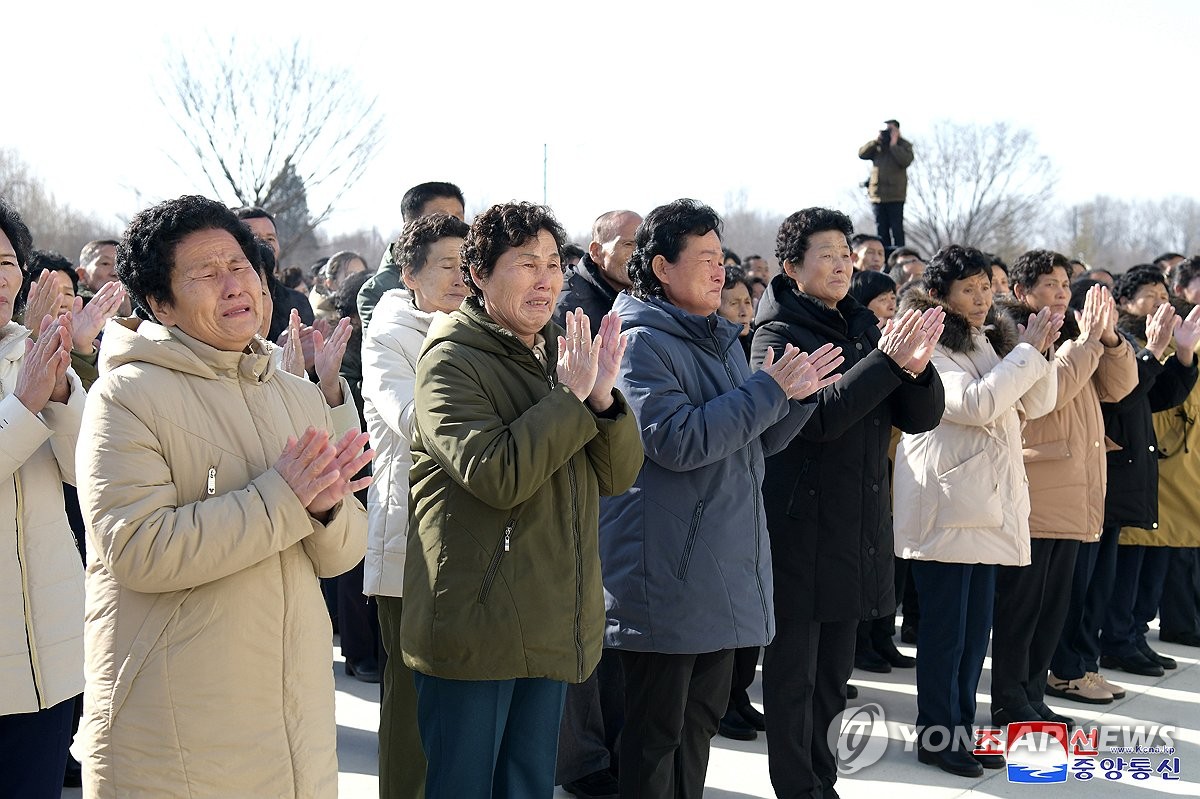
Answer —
1018 313
1000 330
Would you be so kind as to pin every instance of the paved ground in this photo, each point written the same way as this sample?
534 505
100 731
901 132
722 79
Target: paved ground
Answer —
739 770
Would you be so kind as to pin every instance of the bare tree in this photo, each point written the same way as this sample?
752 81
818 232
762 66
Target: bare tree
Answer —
983 186
54 225
1116 234
270 130
749 232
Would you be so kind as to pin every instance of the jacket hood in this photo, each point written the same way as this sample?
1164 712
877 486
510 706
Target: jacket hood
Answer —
658 314
781 302
956 336
1018 313
133 340
472 327
398 308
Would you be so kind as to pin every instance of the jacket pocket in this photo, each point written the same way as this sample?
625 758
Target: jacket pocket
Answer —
969 494
1056 450
690 542
803 501
493 568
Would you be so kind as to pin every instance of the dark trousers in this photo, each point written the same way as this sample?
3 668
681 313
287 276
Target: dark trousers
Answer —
592 717
804 689
358 619
745 668
33 751
1078 650
673 705
952 643
1031 604
889 224
1136 592
401 757
1179 611
489 738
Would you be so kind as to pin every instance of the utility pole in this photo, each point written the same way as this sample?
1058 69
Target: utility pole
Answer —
545 170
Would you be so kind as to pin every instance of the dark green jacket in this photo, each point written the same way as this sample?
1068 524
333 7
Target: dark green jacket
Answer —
502 577
889 176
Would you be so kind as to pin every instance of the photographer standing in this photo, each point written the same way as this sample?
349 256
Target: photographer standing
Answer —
891 156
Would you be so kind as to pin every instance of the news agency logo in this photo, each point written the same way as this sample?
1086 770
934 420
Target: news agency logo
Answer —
854 742
1037 752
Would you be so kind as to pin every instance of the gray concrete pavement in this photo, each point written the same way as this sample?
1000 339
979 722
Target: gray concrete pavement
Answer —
738 770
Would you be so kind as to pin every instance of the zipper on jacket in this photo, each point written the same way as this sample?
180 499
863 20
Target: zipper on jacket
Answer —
489 576
762 595
578 573
34 668
691 541
212 481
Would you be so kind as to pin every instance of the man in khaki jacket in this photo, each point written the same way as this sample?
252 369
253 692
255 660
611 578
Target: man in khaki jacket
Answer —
1067 470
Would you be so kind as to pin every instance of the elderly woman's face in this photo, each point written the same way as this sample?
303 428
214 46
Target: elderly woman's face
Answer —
824 273
520 292
10 279
218 295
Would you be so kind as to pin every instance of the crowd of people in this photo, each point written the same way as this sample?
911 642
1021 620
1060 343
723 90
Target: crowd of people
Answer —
558 500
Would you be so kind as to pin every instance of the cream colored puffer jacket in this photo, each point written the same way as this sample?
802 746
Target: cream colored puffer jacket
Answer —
41 579
207 639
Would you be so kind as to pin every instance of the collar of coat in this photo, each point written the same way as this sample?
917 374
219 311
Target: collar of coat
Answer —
1000 331
657 313
781 302
588 271
1018 312
470 325
134 340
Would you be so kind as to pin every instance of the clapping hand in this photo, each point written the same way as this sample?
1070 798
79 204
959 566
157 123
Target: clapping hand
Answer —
608 361
43 300
1042 330
1187 335
1159 327
800 374
43 375
89 320
320 472
1094 322
932 323
289 342
578 355
327 360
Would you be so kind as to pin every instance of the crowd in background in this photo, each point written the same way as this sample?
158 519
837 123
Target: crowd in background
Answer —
560 500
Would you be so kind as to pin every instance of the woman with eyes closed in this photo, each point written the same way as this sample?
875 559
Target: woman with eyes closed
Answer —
827 500
215 495
961 498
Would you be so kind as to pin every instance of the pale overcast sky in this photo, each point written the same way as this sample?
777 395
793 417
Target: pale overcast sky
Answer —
639 102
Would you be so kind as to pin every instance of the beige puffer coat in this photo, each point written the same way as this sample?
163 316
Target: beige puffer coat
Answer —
1065 450
207 640
41 579
960 490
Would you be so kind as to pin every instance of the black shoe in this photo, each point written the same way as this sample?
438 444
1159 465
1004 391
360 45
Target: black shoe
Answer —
871 661
908 634
735 727
365 670
1043 710
1005 716
597 785
851 691
888 651
990 761
1137 663
753 717
954 761
1154 657
1186 639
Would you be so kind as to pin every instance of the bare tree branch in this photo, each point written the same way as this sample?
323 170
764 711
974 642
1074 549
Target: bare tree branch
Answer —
272 129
